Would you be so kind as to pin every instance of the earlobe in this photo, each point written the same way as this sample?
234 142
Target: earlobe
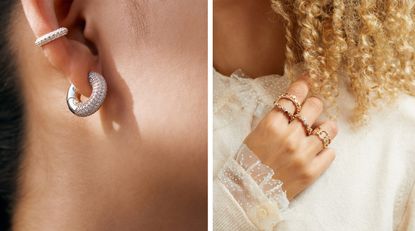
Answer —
71 54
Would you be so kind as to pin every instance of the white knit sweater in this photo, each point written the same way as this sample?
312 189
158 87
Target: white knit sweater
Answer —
368 187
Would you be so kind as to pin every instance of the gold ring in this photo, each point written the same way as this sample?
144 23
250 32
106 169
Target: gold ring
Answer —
291 98
323 136
284 110
303 121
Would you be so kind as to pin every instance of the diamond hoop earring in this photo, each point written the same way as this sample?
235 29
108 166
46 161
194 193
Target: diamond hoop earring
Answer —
97 82
94 102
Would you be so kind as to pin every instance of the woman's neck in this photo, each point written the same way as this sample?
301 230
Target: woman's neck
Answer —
248 35
67 183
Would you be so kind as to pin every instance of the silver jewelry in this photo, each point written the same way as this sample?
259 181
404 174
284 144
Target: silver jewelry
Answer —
49 37
94 102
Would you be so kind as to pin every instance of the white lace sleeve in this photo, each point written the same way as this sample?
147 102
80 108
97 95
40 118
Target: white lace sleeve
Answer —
252 185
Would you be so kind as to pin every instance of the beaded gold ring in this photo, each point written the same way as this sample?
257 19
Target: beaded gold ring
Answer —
304 123
291 98
289 115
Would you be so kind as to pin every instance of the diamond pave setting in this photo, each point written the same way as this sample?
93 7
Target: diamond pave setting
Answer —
49 37
94 102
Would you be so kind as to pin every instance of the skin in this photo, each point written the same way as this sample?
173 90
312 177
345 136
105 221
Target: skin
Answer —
140 162
247 34
259 50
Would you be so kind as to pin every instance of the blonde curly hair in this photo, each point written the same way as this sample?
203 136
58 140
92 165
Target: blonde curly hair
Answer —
371 42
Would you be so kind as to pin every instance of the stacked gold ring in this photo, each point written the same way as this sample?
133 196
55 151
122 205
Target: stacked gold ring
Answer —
323 136
293 99
284 110
303 121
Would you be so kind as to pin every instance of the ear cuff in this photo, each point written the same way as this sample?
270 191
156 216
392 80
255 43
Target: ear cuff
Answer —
73 99
49 37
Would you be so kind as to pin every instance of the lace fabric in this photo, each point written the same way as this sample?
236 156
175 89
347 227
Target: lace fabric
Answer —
250 98
252 185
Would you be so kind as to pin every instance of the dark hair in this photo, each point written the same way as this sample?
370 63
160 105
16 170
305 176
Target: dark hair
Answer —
11 118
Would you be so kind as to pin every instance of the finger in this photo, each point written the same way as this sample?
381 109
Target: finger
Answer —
299 89
315 144
312 108
319 122
322 161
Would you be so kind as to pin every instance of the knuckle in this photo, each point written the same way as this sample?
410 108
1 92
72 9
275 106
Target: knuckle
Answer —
315 103
307 176
290 148
273 128
299 164
291 145
275 125
266 123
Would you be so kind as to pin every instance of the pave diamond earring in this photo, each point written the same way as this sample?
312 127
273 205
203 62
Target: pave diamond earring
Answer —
94 102
49 37
97 82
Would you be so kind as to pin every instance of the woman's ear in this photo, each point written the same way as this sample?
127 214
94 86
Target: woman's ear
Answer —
72 55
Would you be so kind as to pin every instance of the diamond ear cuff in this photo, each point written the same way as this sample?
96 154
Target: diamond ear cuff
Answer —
73 99
49 37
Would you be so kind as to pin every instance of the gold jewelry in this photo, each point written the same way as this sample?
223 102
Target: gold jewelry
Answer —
291 98
323 136
303 121
284 110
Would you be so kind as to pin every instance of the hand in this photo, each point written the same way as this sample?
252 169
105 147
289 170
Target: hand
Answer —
297 159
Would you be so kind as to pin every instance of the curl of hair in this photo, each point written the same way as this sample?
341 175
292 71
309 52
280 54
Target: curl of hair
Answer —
369 42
